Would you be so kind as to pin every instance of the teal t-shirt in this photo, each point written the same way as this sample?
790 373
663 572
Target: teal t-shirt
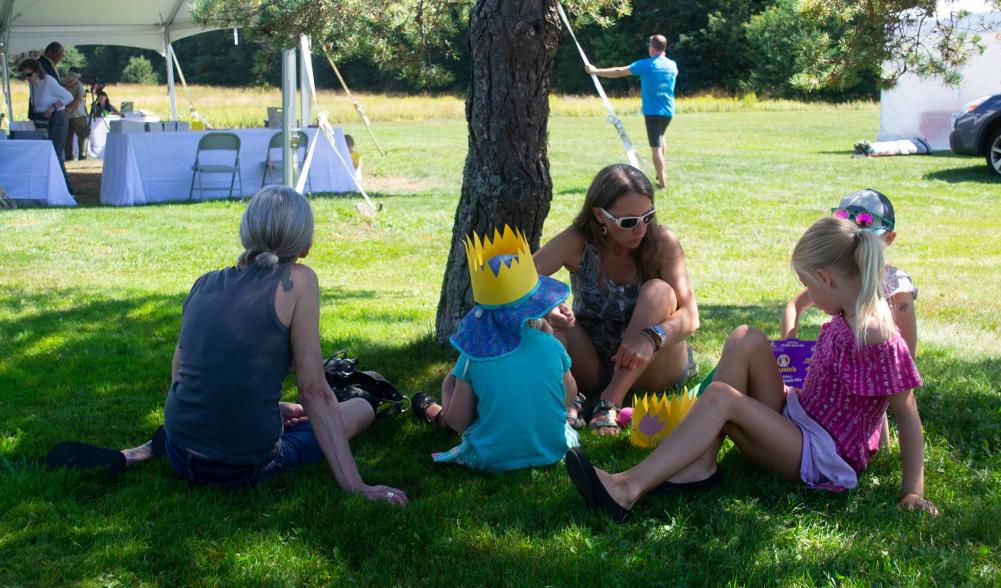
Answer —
657 76
521 418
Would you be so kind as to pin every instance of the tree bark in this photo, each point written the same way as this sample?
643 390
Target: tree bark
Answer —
506 179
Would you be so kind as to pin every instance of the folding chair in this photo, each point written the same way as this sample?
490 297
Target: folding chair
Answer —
275 166
217 142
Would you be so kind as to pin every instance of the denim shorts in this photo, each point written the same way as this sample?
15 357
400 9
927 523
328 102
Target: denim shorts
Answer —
298 447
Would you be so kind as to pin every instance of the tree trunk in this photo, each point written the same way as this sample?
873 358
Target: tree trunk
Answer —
506 179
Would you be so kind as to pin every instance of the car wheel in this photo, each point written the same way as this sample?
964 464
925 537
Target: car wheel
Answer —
994 152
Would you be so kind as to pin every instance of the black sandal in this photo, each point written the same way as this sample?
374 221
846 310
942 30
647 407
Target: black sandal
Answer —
420 403
586 480
668 487
84 456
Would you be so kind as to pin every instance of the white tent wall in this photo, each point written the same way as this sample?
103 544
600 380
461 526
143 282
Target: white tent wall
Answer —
925 108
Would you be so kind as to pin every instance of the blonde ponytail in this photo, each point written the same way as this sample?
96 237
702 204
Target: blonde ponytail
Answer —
839 245
871 269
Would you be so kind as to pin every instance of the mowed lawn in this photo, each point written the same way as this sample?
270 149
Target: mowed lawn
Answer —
90 303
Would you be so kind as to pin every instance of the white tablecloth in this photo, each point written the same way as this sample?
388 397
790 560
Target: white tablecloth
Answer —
141 168
100 126
29 170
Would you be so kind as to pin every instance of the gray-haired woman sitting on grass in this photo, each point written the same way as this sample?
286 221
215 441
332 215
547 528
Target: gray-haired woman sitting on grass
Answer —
241 329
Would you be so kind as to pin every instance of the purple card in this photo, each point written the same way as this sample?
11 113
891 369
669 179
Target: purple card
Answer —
793 357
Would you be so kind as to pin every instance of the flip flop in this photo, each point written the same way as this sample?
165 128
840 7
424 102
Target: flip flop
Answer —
586 480
158 444
671 488
579 478
83 456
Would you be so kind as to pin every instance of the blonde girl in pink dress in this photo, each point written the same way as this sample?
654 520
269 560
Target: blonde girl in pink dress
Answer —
821 436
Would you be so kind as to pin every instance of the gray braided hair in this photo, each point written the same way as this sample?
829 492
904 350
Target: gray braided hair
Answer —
276 226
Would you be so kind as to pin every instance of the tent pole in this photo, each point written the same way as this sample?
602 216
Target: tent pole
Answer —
171 88
6 87
306 116
288 116
5 11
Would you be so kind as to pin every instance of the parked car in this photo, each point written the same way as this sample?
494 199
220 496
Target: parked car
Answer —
977 131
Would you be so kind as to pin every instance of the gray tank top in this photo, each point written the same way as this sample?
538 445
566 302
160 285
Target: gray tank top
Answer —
602 307
234 355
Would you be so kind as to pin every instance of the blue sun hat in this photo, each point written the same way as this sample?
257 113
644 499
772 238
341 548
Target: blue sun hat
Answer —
507 290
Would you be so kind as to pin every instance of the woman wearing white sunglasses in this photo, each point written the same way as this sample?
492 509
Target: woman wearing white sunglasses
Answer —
633 306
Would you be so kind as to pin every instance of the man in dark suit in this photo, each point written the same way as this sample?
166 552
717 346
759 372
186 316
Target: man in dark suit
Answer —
50 59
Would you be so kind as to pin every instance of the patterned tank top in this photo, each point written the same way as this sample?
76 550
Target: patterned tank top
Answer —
602 307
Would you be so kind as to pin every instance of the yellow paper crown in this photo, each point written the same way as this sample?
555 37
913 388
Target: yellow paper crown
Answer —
655 416
510 283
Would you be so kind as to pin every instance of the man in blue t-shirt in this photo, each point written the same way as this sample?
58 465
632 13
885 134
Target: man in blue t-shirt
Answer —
657 75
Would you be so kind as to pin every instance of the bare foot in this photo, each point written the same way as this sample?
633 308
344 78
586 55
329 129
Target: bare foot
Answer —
433 411
700 469
138 454
615 488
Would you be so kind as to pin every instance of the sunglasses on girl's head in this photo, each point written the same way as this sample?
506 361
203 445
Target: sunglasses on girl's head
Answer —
861 217
628 222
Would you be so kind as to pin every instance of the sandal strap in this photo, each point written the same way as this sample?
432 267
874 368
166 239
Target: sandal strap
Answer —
602 416
605 405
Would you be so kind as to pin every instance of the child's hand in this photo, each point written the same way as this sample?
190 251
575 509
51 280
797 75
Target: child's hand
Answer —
561 317
912 502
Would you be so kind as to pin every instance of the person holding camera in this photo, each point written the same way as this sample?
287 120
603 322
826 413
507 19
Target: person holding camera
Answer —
77 113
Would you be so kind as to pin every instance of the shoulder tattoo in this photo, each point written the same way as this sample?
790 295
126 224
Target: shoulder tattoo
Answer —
287 280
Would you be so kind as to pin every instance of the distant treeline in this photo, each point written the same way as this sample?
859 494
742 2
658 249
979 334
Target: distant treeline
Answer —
728 46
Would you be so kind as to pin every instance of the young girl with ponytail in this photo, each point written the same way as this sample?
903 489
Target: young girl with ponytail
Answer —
822 436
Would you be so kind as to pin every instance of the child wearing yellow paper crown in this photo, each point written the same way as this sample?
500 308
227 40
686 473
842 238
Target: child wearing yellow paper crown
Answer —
510 389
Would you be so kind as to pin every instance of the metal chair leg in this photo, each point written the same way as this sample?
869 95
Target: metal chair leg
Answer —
191 190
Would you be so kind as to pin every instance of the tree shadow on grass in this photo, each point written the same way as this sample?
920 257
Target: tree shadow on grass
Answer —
462 527
81 366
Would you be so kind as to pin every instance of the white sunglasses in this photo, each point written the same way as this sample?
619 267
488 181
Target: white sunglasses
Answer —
628 222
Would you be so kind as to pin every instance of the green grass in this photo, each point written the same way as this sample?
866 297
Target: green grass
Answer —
89 314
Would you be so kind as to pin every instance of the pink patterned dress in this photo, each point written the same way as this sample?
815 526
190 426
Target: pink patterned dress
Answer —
848 385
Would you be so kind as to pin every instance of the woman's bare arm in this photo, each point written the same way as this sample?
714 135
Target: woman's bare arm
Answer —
674 271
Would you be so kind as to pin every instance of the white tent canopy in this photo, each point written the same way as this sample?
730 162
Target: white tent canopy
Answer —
924 108
27 25
147 24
